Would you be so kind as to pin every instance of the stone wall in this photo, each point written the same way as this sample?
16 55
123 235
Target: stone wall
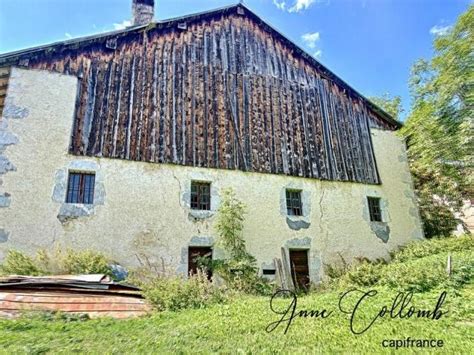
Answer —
141 212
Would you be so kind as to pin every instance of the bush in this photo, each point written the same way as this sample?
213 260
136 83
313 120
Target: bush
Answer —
175 293
57 262
418 267
461 276
365 274
337 270
85 262
242 276
420 275
17 263
434 246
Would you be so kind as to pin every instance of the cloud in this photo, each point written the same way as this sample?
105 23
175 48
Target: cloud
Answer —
301 5
318 54
68 35
298 5
440 30
122 25
310 39
280 4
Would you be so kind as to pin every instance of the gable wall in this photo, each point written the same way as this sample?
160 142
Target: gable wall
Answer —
141 211
221 94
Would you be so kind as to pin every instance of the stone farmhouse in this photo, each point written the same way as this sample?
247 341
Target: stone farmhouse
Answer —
123 142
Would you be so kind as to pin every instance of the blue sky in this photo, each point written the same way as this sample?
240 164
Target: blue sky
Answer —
371 44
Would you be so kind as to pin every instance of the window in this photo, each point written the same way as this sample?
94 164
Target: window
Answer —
293 203
374 209
201 195
80 188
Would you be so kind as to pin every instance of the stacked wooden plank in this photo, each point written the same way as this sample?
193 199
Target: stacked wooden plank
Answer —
94 295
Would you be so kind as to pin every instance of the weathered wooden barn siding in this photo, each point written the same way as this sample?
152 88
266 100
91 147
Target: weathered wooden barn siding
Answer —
4 78
222 93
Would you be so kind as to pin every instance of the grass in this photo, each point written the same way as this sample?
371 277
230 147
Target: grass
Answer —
239 326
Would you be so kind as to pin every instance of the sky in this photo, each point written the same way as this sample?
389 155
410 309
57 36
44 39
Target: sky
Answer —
370 44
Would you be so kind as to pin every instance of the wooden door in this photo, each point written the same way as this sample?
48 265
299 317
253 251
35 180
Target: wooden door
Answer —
299 268
193 254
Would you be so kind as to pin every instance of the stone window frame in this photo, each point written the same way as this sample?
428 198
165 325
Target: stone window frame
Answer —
70 211
200 183
199 215
375 211
293 207
83 174
384 207
381 229
304 220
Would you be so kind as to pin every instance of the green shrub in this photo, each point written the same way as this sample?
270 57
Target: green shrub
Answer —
419 267
334 271
418 276
17 263
365 274
242 276
433 246
175 293
56 262
461 275
85 262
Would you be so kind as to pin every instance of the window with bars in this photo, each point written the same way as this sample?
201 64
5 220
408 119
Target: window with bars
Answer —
293 203
80 188
201 195
374 209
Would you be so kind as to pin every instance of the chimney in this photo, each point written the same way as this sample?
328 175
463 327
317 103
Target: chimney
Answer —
143 12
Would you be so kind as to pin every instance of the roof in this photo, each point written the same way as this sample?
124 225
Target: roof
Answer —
12 57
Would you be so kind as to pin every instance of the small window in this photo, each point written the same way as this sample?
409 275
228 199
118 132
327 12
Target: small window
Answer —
200 195
268 272
293 203
374 209
80 188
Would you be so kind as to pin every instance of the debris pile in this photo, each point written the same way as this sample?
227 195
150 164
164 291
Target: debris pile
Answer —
94 295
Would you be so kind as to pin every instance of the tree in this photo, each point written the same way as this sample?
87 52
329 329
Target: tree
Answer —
391 105
439 127
239 268
230 224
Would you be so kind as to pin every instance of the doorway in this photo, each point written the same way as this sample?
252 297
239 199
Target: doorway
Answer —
194 253
300 269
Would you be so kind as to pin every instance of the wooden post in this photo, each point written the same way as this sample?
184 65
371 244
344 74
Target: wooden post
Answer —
279 276
449 265
287 270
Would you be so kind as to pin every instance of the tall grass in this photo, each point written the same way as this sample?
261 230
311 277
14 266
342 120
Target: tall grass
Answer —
419 266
